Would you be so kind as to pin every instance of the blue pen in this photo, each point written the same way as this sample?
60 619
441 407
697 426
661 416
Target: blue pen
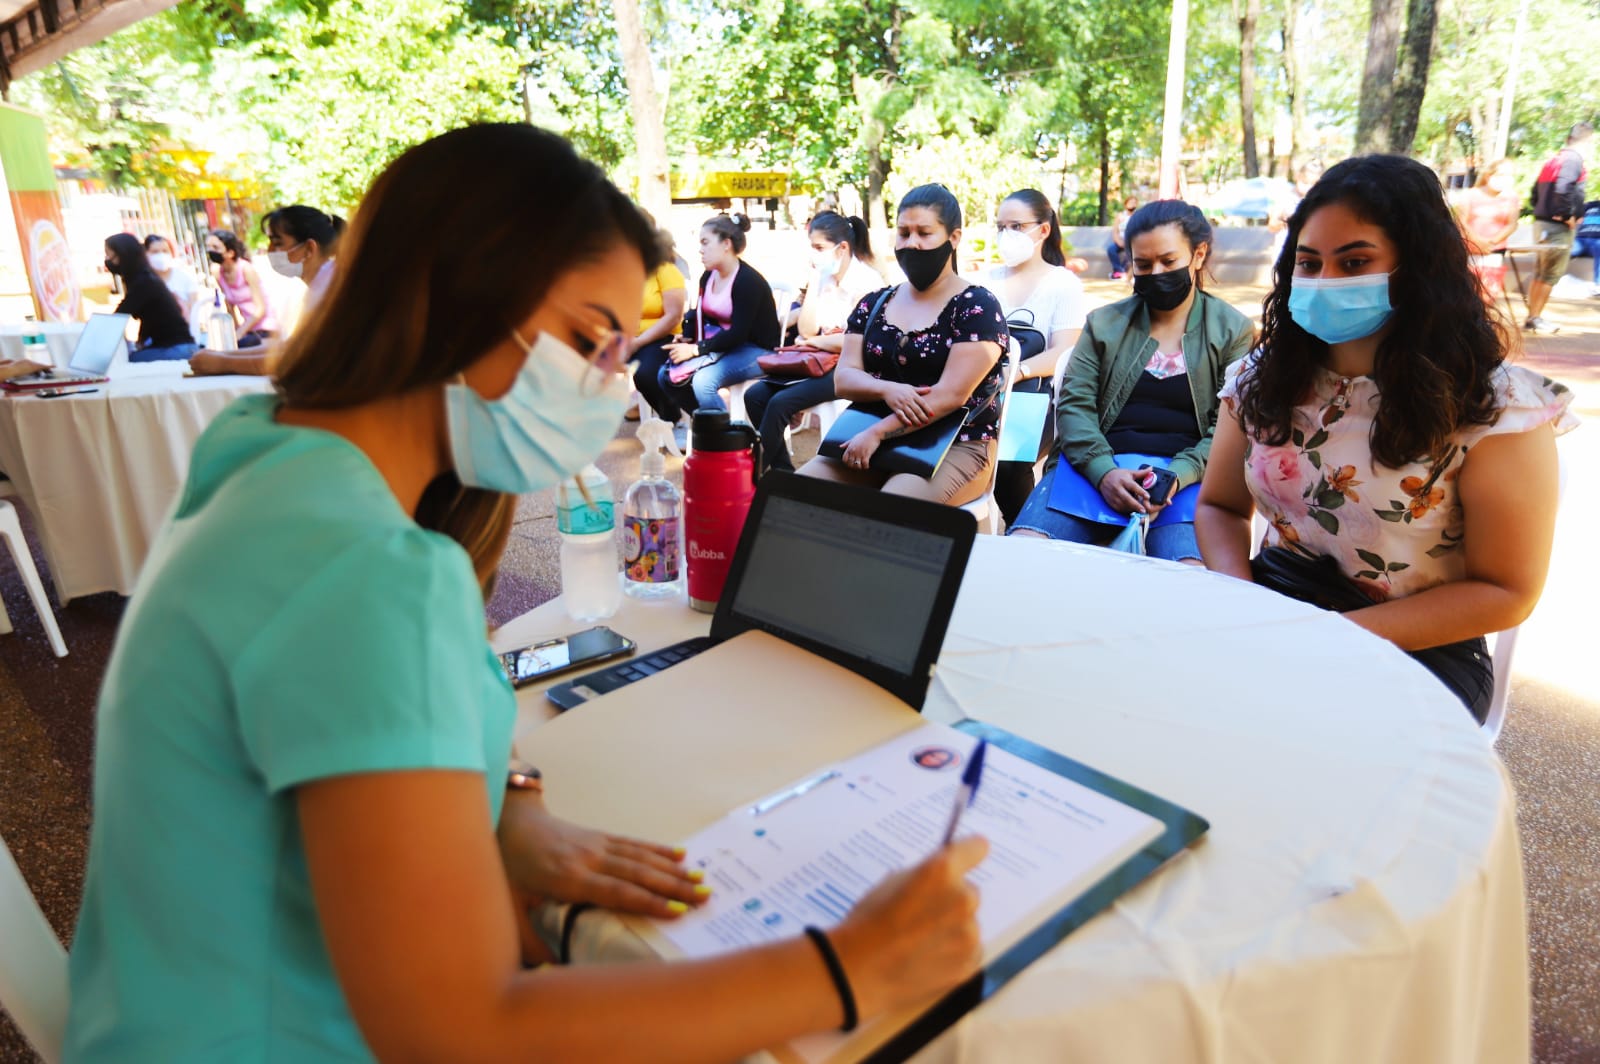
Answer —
967 793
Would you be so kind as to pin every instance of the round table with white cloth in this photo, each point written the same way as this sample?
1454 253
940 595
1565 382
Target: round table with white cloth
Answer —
1359 896
99 471
62 336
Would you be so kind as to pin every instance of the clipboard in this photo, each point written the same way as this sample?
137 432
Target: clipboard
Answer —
1182 829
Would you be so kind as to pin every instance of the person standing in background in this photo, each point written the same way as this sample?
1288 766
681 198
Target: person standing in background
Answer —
1557 204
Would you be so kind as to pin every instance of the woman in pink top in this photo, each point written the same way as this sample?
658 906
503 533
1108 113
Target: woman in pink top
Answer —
1488 215
1407 473
240 285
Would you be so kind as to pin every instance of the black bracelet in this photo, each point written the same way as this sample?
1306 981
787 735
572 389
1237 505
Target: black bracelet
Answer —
569 924
841 982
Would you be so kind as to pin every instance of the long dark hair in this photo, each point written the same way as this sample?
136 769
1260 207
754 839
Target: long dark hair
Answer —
851 232
1434 369
131 259
413 306
1038 205
231 241
301 223
1190 220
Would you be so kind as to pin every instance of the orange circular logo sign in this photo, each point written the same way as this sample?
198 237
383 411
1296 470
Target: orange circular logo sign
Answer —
53 280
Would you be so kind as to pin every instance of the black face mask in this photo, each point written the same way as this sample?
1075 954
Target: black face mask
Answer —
215 256
112 267
1164 291
923 266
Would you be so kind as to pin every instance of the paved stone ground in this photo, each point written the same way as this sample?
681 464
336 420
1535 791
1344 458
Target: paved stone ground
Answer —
1551 743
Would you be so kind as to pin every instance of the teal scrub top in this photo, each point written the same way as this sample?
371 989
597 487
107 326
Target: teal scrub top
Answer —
292 623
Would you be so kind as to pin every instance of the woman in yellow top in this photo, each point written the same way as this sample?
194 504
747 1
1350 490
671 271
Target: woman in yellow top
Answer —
665 299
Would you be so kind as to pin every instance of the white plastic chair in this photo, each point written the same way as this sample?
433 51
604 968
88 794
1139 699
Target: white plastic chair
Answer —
11 532
1505 643
33 965
984 508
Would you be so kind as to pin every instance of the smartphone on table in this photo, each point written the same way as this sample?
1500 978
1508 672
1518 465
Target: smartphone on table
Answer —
543 660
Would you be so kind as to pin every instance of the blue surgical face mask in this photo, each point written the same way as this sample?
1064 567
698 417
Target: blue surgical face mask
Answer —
559 414
1337 310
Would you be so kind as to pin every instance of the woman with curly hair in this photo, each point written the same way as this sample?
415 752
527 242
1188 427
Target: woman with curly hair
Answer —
1407 473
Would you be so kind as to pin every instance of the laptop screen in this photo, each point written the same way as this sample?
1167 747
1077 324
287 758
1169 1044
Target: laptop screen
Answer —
97 344
864 586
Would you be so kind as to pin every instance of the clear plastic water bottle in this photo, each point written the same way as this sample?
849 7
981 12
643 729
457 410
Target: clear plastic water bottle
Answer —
585 515
652 520
35 347
220 333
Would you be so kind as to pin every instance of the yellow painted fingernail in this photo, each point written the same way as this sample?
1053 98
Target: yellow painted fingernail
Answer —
696 875
677 908
702 891
679 852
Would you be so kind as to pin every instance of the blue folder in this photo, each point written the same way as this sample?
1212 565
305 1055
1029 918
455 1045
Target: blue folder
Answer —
1073 495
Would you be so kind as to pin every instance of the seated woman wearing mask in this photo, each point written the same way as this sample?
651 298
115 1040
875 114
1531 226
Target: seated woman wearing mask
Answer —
242 291
1141 390
306 844
934 347
666 297
302 242
736 323
163 327
1035 289
1407 473
185 289
841 250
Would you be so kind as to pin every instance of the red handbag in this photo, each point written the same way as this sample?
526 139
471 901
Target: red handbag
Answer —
798 362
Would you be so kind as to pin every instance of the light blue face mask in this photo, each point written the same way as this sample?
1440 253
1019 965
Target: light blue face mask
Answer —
1337 310
551 424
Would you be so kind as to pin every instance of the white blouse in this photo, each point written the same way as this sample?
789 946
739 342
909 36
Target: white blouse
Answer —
1394 532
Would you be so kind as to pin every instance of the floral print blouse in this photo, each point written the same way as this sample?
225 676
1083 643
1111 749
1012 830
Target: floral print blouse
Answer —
919 357
1394 532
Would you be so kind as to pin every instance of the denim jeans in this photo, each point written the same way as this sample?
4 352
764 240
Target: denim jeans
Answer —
163 354
700 393
1590 246
1175 542
1119 264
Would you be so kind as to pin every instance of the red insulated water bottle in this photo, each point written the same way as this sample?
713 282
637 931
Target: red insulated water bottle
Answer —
719 482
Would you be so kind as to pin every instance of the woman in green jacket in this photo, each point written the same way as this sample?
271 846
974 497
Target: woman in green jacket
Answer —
1140 393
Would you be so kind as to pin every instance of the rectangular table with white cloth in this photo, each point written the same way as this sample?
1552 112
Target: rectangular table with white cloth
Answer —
99 471
1360 895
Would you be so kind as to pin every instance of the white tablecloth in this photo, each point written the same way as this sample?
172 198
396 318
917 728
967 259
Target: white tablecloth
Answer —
1359 897
62 336
99 471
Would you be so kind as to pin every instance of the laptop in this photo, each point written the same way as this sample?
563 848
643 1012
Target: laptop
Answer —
97 346
861 578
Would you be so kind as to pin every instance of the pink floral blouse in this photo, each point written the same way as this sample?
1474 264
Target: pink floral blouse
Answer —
1395 532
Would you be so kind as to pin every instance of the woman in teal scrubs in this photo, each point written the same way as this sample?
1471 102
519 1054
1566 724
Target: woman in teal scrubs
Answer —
305 847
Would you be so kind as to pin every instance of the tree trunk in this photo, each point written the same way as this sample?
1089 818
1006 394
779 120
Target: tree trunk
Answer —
1422 17
1105 173
650 134
1247 84
1374 118
1291 78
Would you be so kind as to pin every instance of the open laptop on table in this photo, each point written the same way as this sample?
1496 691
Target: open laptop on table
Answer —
863 579
91 358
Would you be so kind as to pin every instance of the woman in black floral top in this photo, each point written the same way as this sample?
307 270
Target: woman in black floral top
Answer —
935 347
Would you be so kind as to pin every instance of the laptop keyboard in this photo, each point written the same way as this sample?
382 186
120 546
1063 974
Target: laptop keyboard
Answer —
603 681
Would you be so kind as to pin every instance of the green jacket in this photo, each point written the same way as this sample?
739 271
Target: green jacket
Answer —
1112 351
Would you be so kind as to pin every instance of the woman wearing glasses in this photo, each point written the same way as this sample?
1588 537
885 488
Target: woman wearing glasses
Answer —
1038 293
307 845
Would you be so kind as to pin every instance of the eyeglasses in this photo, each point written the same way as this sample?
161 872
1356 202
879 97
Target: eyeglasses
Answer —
1016 227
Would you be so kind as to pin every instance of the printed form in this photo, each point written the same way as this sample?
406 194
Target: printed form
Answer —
808 853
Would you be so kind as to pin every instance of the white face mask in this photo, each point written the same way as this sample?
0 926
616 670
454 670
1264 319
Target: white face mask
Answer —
279 260
551 424
1015 247
826 262
160 261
